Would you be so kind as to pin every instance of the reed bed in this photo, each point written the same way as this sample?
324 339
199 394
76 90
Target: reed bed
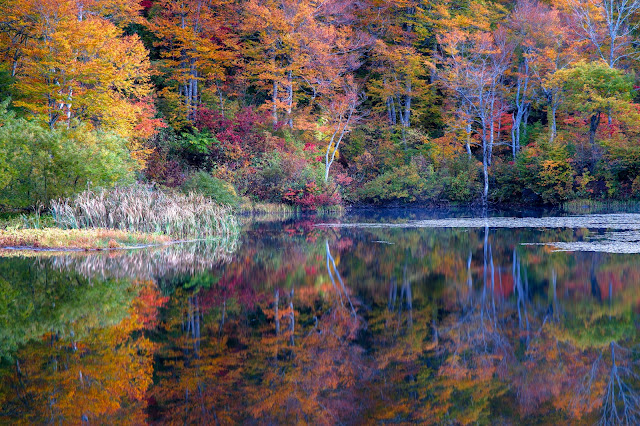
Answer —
143 208
588 206
251 208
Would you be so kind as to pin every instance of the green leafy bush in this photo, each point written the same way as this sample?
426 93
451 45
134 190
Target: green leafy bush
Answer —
203 183
461 180
506 184
546 170
416 181
279 174
38 164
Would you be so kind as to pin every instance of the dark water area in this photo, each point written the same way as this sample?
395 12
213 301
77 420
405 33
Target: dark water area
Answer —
397 317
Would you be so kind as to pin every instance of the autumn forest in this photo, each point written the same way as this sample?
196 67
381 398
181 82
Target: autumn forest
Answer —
321 103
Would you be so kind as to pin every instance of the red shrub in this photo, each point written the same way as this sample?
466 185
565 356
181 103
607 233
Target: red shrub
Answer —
240 137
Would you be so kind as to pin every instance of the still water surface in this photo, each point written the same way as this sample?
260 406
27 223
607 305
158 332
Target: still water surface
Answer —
370 318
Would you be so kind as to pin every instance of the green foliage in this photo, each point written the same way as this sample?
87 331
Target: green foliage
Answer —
546 170
410 183
42 299
279 173
595 326
218 190
38 164
507 184
461 180
591 87
198 142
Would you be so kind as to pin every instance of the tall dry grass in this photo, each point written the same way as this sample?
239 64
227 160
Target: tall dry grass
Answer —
143 208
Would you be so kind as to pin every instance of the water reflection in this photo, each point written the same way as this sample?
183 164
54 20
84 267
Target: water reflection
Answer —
187 258
307 324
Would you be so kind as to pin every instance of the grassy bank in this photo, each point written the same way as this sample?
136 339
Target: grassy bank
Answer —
85 239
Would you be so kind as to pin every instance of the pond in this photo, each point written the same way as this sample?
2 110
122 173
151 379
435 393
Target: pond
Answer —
374 317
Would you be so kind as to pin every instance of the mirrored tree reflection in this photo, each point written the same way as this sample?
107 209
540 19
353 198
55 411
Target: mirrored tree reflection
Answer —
313 325
73 350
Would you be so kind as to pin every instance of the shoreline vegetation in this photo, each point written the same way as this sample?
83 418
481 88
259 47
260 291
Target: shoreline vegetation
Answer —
134 216
119 218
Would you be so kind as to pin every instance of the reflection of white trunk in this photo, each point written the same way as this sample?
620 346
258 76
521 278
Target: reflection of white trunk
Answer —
333 281
621 403
554 283
224 315
406 289
493 286
393 290
342 289
517 285
610 297
479 323
292 317
435 332
193 322
277 315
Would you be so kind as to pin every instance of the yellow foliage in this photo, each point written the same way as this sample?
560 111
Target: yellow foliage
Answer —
77 65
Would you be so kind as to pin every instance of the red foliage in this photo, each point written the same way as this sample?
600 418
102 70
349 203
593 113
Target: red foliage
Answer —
233 285
146 4
240 139
147 304
505 122
168 173
147 126
312 197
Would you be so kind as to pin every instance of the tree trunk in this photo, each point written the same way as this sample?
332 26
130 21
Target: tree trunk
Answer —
407 104
492 125
515 131
334 143
468 139
485 166
392 112
220 98
593 127
289 99
274 100
554 108
522 108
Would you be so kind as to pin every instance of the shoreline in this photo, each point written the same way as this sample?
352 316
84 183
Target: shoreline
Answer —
77 240
40 244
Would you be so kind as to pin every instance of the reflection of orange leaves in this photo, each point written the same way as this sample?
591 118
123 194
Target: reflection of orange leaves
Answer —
147 303
342 244
105 373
